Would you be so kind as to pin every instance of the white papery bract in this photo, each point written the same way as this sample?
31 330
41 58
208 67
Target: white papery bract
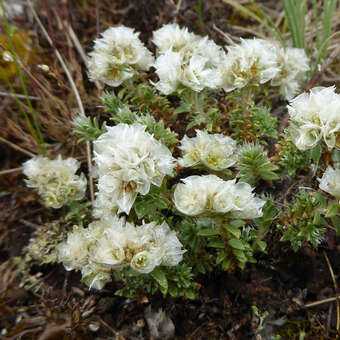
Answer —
113 244
215 151
117 55
55 180
128 161
73 252
293 64
210 194
253 61
173 38
186 59
330 182
315 116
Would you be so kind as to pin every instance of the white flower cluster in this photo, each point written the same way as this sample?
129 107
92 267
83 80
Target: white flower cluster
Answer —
330 182
186 59
128 161
210 194
253 61
215 151
117 55
55 180
294 65
257 61
315 116
113 244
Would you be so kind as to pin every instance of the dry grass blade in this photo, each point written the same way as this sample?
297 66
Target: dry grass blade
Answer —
21 96
317 303
336 292
16 147
75 91
10 171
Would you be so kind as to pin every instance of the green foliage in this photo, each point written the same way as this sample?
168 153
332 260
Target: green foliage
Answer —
263 223
201 109
261 316
290 158
234 244
146 99
88 128
254 124
326 17
79 213
303 221
254 164
296 17
151 206
192 234
237 250
120 113
175 281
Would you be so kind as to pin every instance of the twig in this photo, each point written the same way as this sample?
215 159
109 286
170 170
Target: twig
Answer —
21 96
10 171
323 68
79 48
118 336
317 303
75 91
30 224
16 147
336 292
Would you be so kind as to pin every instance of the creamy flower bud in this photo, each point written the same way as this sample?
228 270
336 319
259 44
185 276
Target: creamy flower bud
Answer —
209 194
254 61
129 160
330 182
116 56
55 180
215 151
315 116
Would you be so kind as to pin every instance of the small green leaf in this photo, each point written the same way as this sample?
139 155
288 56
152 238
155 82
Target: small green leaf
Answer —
216 244
186 107
221 256
226 264
237 244
160 277
336 224
208 232
262 245
315 153
333 210
233 230
237 223
190 294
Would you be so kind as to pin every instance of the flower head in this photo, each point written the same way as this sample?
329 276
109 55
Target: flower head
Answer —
253 61
186 59
315 116
113 244
294 64
116 56
215 151
73 252
210 194
55 180
128 161
330 182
